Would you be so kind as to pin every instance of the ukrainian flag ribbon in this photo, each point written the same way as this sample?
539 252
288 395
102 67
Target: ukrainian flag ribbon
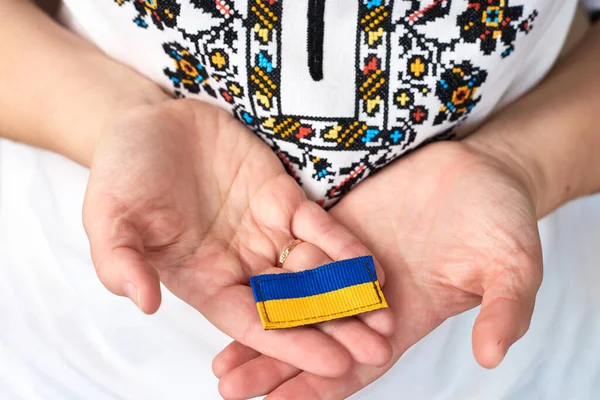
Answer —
332 291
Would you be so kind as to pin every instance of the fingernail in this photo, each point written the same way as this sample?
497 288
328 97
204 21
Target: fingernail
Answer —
132 293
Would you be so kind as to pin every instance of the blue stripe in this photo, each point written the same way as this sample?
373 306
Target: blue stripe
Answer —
324 279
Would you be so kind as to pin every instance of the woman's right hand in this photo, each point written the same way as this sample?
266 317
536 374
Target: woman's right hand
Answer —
181 193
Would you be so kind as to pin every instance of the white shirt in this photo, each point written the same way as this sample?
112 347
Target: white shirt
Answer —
392 74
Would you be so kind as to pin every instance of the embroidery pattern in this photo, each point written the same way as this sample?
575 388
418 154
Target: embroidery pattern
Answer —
315 34
456 89
400 68
161 12
189 72
487 21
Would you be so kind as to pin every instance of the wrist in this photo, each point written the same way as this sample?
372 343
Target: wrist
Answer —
552 132
524 167
116 92
528 139
65 105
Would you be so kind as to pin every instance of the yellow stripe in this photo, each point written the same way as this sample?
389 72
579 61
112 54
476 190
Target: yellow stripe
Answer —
265 77
346 302
374 88
370 80
263 19
266 9
261 85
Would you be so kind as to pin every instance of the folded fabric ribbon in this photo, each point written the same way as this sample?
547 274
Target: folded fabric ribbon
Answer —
332 291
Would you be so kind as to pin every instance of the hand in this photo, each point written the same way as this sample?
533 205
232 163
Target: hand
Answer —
184 194
453 226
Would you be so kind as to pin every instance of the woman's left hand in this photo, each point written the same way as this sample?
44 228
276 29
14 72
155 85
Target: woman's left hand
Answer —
454 226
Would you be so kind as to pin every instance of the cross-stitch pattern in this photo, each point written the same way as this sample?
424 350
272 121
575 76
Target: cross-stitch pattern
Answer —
490 21
412 86
161 12
188 73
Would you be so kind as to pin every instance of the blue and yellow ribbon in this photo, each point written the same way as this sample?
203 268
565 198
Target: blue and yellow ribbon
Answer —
332 291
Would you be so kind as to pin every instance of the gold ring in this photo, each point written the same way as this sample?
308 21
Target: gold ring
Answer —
285 253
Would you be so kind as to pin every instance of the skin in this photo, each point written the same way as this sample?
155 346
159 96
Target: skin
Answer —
154 208
454 227
172 197
182 193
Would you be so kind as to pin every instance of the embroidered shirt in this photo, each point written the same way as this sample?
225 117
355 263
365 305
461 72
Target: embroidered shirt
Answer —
337 88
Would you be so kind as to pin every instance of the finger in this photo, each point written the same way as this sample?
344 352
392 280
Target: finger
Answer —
267 376
504 318
381 321
499 325
305 386
231 357
255 378
117 250
314 225
364 344
412 326
233 310
305 256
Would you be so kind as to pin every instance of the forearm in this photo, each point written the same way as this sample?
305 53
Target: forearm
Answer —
553 133
56 90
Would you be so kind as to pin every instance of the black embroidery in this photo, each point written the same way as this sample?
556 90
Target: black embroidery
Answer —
457 90
436 10
353 175
410 84
316 33
488 21
208 6
161 12
322 168
189 72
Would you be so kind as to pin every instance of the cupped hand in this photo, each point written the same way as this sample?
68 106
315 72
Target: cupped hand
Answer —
183 194
454 226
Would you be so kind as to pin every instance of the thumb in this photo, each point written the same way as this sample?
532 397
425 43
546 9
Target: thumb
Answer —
506 311
117 252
